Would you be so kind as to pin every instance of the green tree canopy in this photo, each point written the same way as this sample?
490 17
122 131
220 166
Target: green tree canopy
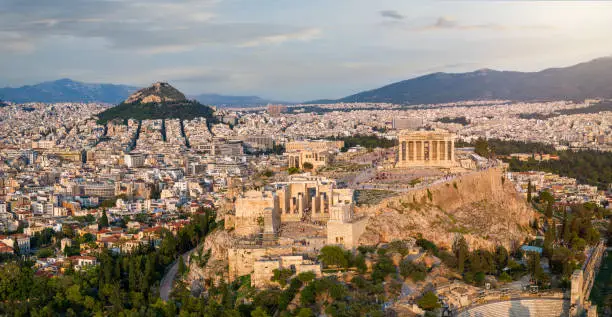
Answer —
332 255
103 221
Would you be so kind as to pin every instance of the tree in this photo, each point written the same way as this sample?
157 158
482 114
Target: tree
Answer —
307 166
533 265
259 312
281 276
547 197
293 170
529 191
44 253
548 243
501 257
305 312
417 272
360 263
308 295
306 277
429 301
182 268
461 250
481 147
103 221
505 277
332 255
549 210
479 278
383 267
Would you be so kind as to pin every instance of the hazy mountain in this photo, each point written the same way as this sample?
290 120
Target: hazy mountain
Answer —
221 100
67 90
586 80
159 101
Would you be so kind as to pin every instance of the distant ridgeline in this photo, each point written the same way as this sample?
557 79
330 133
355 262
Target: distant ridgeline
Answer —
160 101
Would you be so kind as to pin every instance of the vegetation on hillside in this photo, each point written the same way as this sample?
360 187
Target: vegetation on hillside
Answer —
184 110
121 285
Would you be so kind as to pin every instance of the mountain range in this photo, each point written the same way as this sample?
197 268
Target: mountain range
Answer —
582 81
68 90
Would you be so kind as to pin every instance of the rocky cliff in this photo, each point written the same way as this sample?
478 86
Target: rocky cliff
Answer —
482 206
214 267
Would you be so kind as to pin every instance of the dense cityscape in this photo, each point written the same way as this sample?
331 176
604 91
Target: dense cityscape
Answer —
267 204
451 194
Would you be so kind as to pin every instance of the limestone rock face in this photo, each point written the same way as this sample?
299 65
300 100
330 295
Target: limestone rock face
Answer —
158 92
217 242
481 206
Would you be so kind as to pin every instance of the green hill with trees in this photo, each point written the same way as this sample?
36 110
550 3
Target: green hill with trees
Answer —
184 110
159 101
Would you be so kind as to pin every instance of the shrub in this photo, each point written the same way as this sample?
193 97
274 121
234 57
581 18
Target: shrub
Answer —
306 277
429 301
332 255
417 272
505 277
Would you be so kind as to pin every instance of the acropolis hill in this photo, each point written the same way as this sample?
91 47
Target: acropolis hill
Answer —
482 206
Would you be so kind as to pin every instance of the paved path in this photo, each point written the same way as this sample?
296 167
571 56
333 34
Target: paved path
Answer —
165 286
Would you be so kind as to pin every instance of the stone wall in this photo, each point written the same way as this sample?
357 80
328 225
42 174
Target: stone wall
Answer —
241 260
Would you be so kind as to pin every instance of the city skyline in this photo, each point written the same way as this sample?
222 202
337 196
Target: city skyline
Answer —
290 51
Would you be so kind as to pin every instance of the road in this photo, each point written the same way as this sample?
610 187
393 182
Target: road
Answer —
165 286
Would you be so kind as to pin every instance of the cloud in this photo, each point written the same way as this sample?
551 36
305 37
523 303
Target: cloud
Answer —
449 23
155 26
302 36
392 14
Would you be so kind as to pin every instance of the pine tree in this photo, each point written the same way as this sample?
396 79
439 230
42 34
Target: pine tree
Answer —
182 268
549 210
548 243
103 221
461 250
529 191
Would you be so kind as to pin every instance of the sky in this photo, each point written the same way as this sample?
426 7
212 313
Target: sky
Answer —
292 50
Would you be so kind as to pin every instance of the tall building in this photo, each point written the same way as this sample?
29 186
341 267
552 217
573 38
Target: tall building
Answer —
426 148
134 159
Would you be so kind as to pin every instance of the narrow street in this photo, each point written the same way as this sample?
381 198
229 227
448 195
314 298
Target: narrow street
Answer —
165 286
